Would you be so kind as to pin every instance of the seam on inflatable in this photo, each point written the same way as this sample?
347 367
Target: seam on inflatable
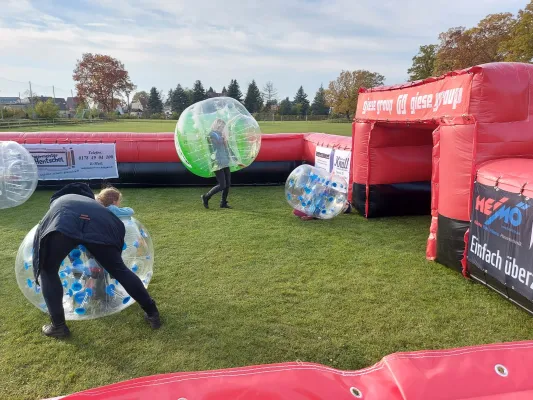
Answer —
271 368
196 377
391 372
459 352
474 163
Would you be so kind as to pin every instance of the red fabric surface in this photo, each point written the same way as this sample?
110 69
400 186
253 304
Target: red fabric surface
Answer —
469 373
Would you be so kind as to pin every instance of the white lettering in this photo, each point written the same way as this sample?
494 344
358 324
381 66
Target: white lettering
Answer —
369 105
421 102
511 269
384 105
527 279
522 275
401 104
447 97
458 97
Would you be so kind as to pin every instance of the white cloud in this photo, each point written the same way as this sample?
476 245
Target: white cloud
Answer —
291 42
96 24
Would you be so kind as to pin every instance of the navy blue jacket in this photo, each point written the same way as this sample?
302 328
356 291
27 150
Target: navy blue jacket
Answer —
75 213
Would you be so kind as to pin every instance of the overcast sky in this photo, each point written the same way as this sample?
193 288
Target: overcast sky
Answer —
166 42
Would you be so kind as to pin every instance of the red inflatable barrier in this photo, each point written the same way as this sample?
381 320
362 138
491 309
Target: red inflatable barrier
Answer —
490 372
150 159
159 147
513 175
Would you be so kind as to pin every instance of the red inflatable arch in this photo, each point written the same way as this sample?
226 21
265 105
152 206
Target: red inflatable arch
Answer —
416 147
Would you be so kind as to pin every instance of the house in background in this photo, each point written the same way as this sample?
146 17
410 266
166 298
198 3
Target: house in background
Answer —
72 103
62 104
8 101
136 109
11 103
210 95
59 101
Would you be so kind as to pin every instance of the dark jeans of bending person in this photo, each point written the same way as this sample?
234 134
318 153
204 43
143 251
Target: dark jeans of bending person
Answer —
56 247
223 177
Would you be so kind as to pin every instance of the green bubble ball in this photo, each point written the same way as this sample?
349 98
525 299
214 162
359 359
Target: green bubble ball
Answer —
215 134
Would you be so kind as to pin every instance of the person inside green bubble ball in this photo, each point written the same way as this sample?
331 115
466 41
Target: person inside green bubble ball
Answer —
221 158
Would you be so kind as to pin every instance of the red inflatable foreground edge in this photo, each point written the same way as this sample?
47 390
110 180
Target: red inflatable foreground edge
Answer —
489 372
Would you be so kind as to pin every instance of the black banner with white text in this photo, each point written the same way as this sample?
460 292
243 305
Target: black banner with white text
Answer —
500 240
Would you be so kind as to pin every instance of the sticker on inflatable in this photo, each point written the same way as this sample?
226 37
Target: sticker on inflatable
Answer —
74 161
501 237
449 97
341 163
324 158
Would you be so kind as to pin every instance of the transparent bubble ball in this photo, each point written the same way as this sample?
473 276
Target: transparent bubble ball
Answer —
89 291
316 192
18 174
215 134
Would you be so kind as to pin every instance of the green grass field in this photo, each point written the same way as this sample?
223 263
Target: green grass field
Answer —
169 126
249 286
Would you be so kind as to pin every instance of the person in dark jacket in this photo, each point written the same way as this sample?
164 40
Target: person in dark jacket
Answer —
75 218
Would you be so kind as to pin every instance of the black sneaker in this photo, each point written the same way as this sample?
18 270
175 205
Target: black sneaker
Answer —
59 332
225 205
205 200
154 320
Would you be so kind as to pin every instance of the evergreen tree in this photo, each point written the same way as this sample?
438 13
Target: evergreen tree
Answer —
253 101
296 109
224 92
180 100
190 96
155 104
319 106
168 100
198 92
301 98
285 107
210 92
234 91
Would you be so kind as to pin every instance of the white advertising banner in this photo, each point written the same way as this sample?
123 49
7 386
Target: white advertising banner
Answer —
74 161
341 163
324 158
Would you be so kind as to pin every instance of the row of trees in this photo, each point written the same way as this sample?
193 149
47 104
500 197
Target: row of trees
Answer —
497 37
104 82
255 101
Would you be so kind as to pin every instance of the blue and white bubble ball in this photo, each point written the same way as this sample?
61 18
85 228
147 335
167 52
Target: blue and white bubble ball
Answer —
89 291
316 192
